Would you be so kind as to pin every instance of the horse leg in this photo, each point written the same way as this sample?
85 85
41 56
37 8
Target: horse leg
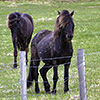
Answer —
43 72
15 58
66 77
36 80
26 55
55 79
30 77
15 52
33 75
14 40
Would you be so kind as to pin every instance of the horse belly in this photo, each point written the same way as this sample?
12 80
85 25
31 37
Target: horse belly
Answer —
45 52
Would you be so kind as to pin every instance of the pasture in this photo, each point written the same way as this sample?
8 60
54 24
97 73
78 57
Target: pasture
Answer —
86 35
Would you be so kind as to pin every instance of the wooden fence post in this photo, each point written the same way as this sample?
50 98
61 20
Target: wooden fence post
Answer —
23 75
81 73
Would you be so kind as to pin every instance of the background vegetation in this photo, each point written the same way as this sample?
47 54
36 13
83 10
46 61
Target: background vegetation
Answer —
44 14
54 0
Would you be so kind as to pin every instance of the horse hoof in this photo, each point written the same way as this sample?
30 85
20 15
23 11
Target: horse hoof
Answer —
66 91
48 92
29 84
15 66
54 92
37 90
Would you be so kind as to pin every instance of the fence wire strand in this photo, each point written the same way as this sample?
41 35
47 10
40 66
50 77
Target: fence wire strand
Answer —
12 85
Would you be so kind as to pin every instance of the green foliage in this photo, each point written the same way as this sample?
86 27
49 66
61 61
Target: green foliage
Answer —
44 14
53 0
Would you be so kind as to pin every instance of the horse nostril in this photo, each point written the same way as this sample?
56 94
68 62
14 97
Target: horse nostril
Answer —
70 36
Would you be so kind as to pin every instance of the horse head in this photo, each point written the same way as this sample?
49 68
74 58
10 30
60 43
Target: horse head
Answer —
65 25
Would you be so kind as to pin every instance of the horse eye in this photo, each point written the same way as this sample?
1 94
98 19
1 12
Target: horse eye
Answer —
65 31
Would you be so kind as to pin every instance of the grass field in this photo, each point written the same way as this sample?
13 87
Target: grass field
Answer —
86 36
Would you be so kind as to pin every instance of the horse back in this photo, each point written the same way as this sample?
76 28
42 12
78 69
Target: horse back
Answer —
41 35
26 25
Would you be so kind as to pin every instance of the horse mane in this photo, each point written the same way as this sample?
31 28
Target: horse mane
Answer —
13 19
62 20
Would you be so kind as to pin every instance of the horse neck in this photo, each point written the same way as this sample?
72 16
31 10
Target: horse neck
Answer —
58 35
60 41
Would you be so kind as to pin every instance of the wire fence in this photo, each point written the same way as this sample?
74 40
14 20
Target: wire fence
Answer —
10 80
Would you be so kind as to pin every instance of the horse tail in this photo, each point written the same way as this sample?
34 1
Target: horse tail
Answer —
13 19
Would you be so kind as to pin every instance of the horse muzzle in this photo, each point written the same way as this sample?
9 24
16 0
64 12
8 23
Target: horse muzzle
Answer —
69 37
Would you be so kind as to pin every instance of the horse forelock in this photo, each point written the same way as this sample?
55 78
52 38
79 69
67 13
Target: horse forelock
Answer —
64 19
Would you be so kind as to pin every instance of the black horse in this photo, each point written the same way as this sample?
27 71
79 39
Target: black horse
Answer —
53 48
21 26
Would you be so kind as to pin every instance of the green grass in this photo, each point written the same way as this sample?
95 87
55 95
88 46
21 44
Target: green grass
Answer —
44 14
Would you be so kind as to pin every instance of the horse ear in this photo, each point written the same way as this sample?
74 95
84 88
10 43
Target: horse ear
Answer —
58 13
72 13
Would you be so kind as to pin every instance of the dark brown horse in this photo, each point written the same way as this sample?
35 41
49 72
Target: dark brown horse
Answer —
53 48
21 26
